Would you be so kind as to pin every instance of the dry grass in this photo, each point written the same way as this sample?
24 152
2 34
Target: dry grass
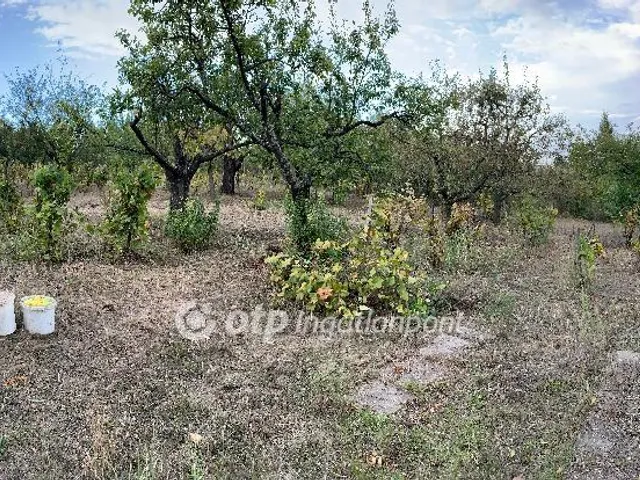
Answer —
115 393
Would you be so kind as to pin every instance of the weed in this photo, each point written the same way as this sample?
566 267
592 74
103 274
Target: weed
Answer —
260 200
587 250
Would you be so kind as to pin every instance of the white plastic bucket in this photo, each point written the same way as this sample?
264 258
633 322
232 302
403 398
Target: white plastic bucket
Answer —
40 320
7 314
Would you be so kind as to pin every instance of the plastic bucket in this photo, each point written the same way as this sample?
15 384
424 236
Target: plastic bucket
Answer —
40 320
7 314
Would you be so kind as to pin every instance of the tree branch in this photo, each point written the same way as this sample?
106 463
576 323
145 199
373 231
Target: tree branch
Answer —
239 54
363 123
210 155
158 157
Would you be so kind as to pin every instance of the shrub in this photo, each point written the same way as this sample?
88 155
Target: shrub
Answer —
588 250
462 215
192 228
260 201
397 215
534 220
485 206
320 224
631 219
49 217
368 272
10 207
126 225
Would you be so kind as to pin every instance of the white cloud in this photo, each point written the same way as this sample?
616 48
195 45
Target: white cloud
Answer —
85 27
581 63
579 53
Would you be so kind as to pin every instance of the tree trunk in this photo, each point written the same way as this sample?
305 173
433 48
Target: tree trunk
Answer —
301 196
230 168
447 209
179 185
498 210
212 182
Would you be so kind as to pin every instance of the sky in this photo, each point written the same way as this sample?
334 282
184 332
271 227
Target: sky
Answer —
585 54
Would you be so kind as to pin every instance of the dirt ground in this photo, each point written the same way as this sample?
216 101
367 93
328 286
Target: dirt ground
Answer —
118 393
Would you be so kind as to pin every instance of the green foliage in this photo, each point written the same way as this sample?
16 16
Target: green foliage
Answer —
10 207
607 166
631 219
307 112
53 113
260 201
483 135
368 272
588 249
309 220
534 219
49 218
191 227
125 225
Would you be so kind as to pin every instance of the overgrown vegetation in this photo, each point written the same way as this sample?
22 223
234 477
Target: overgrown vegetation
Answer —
125 226
49 218
192 227
311 220
10 207
434 182
371 271
534 220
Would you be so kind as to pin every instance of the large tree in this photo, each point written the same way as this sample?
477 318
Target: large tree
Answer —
284 78
486 136
609 162
173 128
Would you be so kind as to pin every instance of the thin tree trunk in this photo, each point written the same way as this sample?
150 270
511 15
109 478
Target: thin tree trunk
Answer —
301 196
212 182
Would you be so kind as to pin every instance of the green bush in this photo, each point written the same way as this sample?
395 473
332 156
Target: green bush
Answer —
588 250
534 220
192 228
349 279
10 207
126 226
260 200
49 218
320 223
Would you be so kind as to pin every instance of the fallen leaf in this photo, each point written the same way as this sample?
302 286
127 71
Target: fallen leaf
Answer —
375 460
16 381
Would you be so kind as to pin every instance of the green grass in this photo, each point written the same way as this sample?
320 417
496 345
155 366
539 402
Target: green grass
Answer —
4 445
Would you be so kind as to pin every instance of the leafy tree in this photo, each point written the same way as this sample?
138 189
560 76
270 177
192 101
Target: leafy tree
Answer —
270 69
53 115
483 135
609 164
